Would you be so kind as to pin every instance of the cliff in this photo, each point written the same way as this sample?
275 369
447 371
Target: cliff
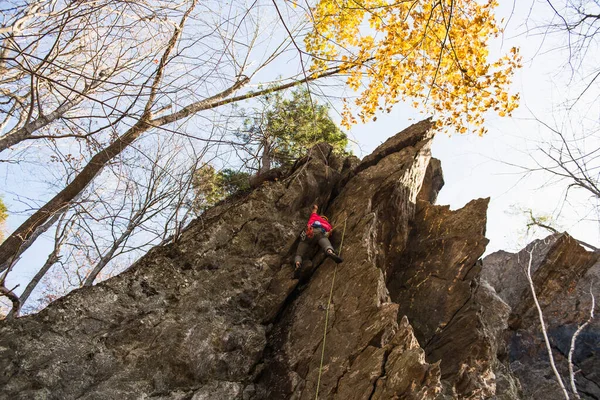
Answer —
219 314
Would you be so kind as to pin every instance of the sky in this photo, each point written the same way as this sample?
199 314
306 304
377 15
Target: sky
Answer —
474 166
487 166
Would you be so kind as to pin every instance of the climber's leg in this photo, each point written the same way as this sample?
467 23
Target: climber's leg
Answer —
300 251
324 242
328 248
331 254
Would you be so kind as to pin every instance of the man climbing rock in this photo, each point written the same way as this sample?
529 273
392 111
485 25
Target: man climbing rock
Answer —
318 229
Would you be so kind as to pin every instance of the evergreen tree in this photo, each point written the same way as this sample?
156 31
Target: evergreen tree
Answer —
277 133
284 129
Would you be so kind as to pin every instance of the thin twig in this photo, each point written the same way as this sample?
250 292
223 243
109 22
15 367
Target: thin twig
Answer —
543 326
574 339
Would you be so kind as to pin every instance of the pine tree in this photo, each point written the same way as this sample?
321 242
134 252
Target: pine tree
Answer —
285 128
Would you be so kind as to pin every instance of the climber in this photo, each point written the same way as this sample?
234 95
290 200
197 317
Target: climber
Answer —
318 229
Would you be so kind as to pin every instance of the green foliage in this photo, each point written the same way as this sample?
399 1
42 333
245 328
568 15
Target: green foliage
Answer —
211 186
287 128
277 134
231 181
3 216
205 187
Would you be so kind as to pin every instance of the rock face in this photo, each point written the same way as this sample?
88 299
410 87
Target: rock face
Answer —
564 274
368 354
218 315
456 319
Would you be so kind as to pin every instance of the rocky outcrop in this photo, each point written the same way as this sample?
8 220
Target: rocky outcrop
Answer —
564 275
217 314
412 312
189 318
458 319
432 182
367 353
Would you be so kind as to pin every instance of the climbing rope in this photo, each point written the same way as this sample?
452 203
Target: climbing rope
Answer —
327 313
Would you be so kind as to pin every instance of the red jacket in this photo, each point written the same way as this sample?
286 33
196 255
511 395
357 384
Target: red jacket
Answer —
314 217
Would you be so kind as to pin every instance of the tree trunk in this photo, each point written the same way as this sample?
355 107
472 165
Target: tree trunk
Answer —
11 246
27 131
50 261
89 280
27 243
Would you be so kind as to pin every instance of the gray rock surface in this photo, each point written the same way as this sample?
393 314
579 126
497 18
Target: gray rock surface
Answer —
188 317
199 318
563 273
458 320
367 349
414 312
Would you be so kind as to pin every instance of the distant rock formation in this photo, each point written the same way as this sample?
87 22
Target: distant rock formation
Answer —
563 274
415 313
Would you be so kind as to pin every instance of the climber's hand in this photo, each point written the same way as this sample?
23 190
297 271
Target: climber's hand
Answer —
315 208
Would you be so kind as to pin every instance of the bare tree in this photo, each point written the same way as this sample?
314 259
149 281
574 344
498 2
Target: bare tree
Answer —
580 328
144 201
57 56
542 222
63 228
568 156
148 119
155 203
578 23
544 330
567 153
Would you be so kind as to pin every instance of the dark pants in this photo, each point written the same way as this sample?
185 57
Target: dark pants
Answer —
318 237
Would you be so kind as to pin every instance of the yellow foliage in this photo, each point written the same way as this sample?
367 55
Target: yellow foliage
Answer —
434 52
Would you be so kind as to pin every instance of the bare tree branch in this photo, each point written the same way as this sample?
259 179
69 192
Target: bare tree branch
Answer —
534 221
543 325
574 340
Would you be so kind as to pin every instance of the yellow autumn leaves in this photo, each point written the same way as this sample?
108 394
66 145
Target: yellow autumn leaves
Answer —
433 53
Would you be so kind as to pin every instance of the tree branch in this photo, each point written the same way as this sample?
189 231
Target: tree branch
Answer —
543 326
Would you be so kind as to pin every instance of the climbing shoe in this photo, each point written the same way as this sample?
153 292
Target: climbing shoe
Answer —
297 270
334 256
